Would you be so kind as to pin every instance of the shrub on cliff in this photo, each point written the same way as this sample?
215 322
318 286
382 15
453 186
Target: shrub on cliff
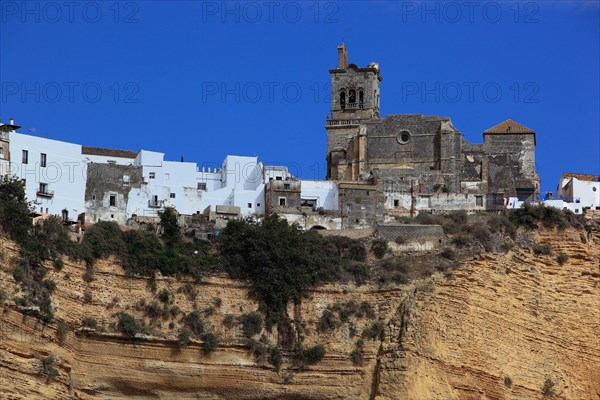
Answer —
326 322
128 325
379 247
195 323
211 342
562 258
251 324
280 261
14 210
313 354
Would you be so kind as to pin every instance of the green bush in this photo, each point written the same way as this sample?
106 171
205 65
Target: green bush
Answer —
211 342
229 321
195 323
374 331
365 310
127 325
357 357
276 358
314 353
379 247
90 322
251 324
507 381
280 261
326 322
542 249
47 368
87 296
59 264
360 272
183 338
164 296
501 224
562 258
548 388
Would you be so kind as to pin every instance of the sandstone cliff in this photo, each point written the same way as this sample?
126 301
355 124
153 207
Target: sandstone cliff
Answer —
501 326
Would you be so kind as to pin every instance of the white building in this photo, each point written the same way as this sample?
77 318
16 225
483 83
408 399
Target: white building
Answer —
53 172
575 192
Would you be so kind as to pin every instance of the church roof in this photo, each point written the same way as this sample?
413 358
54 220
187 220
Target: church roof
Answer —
509 126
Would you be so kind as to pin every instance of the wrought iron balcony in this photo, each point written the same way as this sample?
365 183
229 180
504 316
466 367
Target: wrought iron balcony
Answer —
45 193
155 203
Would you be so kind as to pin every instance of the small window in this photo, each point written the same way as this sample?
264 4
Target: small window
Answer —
201 186
479 201
152 175
94 197
25 157
348 207
594 188
257 204
42 159
396 203
172 195
113 200
43 188
249 205
112 215
278 178
126 180
286 186
282 201
1 151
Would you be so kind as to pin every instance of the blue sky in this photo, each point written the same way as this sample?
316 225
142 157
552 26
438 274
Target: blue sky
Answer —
202 79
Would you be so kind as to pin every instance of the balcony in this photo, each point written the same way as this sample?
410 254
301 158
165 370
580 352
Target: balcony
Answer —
345 122
155 203
48 194
352 106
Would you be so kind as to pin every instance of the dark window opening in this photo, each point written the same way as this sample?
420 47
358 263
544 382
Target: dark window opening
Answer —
282 201
172 195
361 98
352 97
42 160
396 203
278 178
249 205
479 201
343 100
201 186
25 158
113 201
286 186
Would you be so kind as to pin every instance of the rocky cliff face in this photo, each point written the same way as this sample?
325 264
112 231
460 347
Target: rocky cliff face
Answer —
502 326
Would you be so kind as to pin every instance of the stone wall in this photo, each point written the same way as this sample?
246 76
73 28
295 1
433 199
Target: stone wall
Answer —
110 180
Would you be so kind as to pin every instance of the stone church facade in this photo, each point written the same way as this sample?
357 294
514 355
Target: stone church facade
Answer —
403 164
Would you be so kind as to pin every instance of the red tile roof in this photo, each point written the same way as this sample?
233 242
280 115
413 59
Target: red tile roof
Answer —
509 126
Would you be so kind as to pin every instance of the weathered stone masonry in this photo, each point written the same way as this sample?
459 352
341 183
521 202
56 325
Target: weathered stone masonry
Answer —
411 162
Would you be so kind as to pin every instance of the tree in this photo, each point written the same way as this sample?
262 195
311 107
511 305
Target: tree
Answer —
171 233
279 260
14 209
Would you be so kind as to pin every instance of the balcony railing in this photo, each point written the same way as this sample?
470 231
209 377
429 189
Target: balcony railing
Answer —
337 122
45 193
155 203
352 106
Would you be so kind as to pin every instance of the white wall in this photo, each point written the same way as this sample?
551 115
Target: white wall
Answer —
325 192
65 173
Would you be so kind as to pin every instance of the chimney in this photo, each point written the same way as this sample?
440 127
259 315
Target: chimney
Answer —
342 57
12 121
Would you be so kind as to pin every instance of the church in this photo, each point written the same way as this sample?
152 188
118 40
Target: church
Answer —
402 164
